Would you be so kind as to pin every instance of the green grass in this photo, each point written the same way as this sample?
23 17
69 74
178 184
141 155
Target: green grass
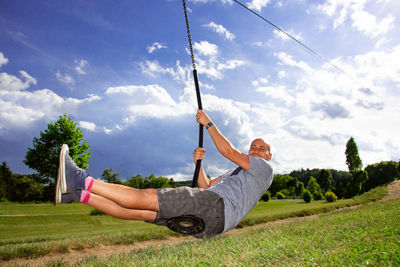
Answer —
65 227
367 236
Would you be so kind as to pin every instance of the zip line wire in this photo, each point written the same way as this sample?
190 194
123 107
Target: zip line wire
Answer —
312 51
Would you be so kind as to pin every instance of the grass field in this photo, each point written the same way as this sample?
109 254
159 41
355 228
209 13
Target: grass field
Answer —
44 228
367 236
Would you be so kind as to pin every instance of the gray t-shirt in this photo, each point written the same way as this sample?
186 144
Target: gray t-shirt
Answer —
242 190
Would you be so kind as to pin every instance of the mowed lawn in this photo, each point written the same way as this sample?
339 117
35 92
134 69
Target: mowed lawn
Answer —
34 230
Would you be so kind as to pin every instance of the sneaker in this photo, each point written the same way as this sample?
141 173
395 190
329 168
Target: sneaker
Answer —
65 198
70 178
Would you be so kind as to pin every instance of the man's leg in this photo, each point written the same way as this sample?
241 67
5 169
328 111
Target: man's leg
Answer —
111 208
127 197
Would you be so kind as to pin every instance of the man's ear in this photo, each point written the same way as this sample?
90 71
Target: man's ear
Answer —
269 156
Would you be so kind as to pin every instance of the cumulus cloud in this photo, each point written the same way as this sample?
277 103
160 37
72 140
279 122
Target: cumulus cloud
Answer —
155 46
286 59
362 20
3 59
19 108
257 4
205 48
87 125
221 30
12 83
277 92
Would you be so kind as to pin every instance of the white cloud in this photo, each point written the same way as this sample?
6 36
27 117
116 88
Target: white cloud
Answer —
205 48
362 20
3 59
90 126
65 78
12 83
277 92
367 23
257 4
20 108
80 68
285 37
220 30
287 59
155 46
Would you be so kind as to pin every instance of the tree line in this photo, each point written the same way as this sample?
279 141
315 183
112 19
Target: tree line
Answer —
307 184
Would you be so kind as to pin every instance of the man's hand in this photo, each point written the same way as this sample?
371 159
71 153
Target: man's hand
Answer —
198 154
202 118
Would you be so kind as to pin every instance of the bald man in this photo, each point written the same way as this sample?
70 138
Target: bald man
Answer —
221 203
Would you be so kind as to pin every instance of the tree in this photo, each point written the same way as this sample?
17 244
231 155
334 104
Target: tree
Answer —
314 188
307 196
380 173
111 177
353 160
325 180
44 156
5 180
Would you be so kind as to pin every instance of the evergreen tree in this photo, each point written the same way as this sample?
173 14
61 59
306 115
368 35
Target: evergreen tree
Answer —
325 179
353 160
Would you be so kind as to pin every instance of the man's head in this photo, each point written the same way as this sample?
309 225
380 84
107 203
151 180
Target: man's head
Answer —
259 148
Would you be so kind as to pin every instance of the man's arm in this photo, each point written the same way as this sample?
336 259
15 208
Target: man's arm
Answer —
202 181
222 143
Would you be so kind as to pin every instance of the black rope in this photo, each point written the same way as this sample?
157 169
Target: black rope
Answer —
196 83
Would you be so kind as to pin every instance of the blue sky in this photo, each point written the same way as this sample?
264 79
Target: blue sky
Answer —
122 71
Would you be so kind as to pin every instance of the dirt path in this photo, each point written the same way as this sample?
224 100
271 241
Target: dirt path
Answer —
107 251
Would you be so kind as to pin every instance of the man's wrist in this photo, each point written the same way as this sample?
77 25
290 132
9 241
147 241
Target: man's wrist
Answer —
208 125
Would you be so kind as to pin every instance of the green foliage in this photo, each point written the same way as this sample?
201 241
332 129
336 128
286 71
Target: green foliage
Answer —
330 196
307 196
43 157
280 195
380 173
353 159
325 180
266 197
286 182
21 188
5 180
354 187
313 186
318 196
151 181
110 177
299 189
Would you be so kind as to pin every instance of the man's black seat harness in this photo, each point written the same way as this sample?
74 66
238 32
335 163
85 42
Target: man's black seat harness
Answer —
189 224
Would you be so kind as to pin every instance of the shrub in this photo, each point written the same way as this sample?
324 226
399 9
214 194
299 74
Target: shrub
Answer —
266 197
280 195
307 196
330 196
318 195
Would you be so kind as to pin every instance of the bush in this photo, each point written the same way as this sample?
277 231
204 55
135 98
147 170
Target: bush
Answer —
330 196
280 195
318 195
307 196
266 197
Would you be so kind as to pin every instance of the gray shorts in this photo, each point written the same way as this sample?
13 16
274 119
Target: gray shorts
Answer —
201 203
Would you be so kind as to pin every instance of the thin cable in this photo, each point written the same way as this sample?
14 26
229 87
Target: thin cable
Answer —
310 50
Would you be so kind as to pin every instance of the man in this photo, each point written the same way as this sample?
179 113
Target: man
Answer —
221 203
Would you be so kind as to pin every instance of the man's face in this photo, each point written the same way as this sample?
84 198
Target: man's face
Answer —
258 148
